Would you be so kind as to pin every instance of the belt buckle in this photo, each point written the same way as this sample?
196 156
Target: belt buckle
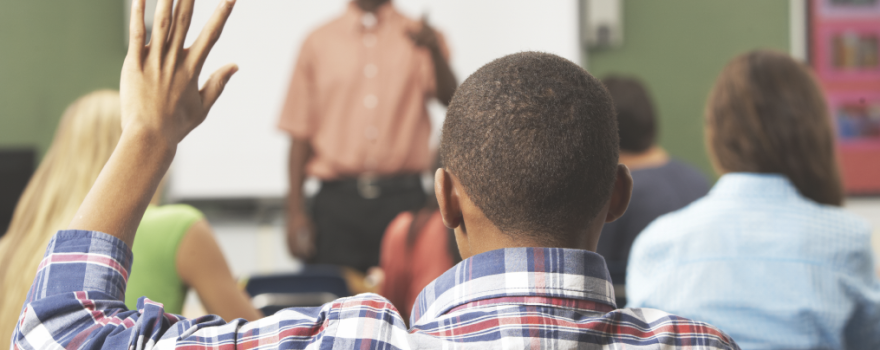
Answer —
368 186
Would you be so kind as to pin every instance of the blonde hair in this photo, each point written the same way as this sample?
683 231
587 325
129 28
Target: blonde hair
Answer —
87 134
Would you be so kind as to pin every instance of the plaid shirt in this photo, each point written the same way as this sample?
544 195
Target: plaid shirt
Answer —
532 298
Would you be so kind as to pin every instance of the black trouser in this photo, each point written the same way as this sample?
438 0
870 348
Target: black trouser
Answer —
350 225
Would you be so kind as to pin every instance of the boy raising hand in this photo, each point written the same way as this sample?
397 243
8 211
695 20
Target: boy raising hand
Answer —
530 145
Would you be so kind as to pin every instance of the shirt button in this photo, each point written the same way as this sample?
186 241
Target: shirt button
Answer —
371 133
370 70
369 20
370 101
370 40
370 164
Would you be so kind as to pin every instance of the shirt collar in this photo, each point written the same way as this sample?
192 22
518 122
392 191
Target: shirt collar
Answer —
754 185
572 274
354 15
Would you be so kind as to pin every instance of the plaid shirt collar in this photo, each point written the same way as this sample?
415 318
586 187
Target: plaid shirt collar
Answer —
556 276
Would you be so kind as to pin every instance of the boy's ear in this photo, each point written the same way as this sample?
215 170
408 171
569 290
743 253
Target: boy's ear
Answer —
623 188
447 199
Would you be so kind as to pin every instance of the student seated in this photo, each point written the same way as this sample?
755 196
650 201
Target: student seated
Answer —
530 148
175 246
660 184
768 255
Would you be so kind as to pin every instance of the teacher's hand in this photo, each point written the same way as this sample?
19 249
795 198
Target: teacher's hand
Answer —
425 37
301 236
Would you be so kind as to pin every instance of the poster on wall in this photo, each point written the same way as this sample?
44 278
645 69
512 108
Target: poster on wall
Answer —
848 9
845 53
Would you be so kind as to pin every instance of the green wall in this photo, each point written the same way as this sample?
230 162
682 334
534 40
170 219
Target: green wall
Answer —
52 52
678 47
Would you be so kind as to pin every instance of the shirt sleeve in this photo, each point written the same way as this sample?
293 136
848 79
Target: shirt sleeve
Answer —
298 116
863 286
76 303
639 270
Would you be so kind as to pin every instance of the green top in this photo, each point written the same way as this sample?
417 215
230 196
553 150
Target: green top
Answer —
154 272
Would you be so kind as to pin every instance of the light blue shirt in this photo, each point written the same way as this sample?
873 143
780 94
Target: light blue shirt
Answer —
765 265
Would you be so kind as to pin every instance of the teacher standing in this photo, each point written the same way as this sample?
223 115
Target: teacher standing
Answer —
356 110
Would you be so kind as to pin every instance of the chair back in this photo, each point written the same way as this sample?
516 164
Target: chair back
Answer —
315 285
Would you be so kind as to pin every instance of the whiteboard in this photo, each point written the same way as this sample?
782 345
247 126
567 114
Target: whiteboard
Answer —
239 153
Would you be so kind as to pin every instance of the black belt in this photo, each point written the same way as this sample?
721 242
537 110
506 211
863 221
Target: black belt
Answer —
371 186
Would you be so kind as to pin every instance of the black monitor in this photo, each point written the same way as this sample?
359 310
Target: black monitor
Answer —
16 168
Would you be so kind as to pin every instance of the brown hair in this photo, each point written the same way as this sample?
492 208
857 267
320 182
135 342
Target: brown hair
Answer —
636 119
766 114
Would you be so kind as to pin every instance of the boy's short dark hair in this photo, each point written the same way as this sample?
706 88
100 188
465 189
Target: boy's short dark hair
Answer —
635 113
533 139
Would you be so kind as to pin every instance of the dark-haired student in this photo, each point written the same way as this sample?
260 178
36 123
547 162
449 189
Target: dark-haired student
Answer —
530 147
661 184
768 255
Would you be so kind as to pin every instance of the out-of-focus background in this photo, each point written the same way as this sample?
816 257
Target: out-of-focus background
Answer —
234 167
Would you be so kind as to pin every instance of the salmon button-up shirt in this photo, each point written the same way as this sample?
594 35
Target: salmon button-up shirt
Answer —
358 94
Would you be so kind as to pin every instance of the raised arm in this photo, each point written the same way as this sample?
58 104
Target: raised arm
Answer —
76 300
428 38
161 104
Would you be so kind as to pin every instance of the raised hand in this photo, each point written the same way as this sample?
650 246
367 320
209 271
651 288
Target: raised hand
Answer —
425 36
161 104
159 84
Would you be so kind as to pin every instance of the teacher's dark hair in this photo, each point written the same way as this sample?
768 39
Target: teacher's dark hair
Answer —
766 114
